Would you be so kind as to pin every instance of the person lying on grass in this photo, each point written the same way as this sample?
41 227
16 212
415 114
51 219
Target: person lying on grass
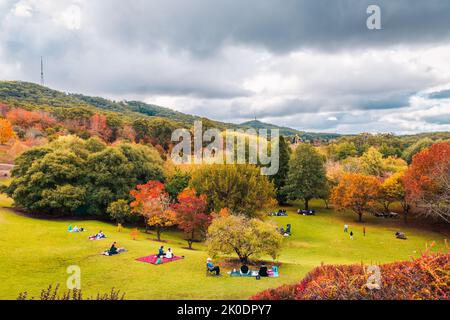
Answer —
211 267
99 235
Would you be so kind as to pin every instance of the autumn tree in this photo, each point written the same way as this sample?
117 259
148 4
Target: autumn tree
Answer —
191 215
307 177
99 127
247 238
372 162
6 131
393 189
356 192
153 203
427 181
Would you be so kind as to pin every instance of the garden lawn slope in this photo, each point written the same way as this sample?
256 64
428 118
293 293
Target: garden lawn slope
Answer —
36 252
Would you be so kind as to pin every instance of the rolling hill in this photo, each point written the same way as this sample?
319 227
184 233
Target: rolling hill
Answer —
31 95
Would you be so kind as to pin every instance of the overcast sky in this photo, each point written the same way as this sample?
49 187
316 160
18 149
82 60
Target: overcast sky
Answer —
310 65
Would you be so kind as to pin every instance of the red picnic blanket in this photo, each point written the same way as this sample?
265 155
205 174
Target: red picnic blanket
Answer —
152 259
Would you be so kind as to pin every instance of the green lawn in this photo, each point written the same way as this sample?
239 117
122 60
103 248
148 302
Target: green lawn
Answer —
35 253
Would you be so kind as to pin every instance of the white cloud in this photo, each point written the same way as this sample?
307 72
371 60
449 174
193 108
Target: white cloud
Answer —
229 71
22 9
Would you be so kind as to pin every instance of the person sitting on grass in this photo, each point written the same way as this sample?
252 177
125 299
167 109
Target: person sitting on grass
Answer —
244 269
113 249
263 270
161 252
169 253
211 267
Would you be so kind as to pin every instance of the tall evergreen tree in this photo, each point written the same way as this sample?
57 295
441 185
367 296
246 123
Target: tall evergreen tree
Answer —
306 178
279 179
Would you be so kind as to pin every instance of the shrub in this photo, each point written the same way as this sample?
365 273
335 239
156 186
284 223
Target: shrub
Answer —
52 293
427 277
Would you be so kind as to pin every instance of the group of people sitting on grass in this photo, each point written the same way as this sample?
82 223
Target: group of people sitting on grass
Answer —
75 229
306 212
244 270
168 254
285 232
279 213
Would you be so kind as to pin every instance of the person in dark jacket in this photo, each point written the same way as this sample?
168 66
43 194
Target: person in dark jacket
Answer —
263 271
161 252
113 249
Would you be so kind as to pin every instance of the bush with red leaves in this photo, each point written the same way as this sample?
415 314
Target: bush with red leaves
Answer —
427 277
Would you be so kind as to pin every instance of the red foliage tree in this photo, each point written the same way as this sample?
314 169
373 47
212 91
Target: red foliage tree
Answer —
98 126
427 181
191 216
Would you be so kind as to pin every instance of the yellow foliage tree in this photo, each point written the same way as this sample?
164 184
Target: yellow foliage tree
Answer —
6 131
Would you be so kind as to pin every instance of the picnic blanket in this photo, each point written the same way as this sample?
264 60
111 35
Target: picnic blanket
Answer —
153 258
119 251
253 273
95 238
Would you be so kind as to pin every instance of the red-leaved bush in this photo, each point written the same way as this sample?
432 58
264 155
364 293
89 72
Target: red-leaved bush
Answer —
424 278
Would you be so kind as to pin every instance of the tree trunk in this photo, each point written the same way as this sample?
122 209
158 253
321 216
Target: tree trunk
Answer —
359 217
158 234
405 214
244 259
306 204
326 204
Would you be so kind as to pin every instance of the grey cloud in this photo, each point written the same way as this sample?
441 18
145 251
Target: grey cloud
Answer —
202 26
444 94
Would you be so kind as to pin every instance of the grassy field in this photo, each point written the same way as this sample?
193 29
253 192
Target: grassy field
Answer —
35 253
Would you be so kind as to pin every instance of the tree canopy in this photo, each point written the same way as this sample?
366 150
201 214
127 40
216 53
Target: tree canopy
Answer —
75 176
307 177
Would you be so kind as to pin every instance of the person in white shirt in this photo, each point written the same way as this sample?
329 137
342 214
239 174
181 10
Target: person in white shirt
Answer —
169 253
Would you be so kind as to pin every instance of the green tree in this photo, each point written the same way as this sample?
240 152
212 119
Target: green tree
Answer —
279 179
177 183
415 148
372 162
244 237
240 188
342 150
307 177
74 176
119 210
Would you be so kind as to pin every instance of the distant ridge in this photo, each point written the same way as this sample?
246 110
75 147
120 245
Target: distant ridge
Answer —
19 93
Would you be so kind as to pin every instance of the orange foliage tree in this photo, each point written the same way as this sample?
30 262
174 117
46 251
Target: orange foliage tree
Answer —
191 215
27 119
356 192
153 203
427 181
6 131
